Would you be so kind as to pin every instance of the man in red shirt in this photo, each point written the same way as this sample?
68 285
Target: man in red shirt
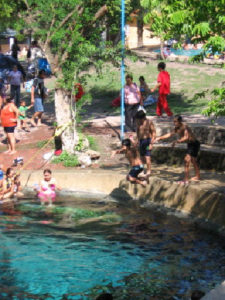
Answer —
163 84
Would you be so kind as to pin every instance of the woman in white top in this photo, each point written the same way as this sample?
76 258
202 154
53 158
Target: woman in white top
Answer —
132 102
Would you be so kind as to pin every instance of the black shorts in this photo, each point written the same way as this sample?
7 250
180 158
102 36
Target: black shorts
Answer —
135 171
193 148
9 129
144 147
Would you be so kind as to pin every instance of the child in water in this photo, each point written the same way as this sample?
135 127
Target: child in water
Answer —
47 188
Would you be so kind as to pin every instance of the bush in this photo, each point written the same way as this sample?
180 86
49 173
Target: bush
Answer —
68 160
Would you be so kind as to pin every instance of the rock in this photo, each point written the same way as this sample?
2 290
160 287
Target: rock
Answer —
84 159
85 143
93 154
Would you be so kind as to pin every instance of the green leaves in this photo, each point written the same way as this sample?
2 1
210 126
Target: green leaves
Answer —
202 29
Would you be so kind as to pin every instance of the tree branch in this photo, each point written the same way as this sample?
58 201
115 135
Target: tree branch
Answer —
101 12
77 8
49 33
27 5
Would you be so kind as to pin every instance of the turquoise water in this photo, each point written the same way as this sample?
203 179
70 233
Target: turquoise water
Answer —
191 52
40 258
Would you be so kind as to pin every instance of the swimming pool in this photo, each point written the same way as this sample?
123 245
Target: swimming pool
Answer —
191 52
74 251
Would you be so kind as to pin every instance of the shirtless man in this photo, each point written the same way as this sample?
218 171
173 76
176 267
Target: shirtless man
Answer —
193 147
146 135
132 155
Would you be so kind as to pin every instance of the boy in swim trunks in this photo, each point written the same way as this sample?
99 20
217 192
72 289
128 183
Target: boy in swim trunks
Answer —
193 147
146 135
132 155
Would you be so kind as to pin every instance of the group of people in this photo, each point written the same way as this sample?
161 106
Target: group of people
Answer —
135 96
138 151
13 111
10 185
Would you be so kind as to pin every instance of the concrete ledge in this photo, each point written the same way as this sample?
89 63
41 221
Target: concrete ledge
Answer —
211 157
195 200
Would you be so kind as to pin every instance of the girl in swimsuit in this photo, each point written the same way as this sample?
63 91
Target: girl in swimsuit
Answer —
47 190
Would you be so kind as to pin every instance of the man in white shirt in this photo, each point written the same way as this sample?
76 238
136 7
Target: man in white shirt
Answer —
15 80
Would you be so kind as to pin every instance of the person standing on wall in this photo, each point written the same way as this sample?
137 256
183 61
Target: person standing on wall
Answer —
132 102
15 80
15 49
163 84
38 94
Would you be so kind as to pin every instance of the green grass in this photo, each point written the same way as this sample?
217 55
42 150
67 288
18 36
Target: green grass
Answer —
67 159
92 143
186 81
41 144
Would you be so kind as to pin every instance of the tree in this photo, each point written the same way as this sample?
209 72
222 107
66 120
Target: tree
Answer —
200 20
69 32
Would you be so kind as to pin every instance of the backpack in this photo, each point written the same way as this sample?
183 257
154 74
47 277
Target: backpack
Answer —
28 85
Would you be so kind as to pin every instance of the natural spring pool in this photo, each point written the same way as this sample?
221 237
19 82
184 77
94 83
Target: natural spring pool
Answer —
80 248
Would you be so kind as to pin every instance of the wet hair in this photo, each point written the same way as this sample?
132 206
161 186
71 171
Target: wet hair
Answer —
162 65
105 296
142 78
178 118
47 171
129 76
126 142
140 115
8 171
197 295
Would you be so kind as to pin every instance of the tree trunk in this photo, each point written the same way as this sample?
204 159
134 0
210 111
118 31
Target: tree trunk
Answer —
140 25
64 116
161 48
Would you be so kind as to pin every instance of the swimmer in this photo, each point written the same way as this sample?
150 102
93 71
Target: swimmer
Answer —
17 187
132 155
47 190
193 147
8 184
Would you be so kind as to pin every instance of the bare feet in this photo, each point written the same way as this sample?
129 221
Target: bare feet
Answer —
195 178
12 152
183 182
33 123
7 151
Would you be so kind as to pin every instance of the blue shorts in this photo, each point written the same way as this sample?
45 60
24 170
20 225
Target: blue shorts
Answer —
144 147
38 106
135 171
9 129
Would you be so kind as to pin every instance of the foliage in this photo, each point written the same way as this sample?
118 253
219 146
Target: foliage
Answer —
68 160
92 143
200 20
216 106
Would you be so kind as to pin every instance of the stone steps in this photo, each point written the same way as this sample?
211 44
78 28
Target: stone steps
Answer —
210 157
